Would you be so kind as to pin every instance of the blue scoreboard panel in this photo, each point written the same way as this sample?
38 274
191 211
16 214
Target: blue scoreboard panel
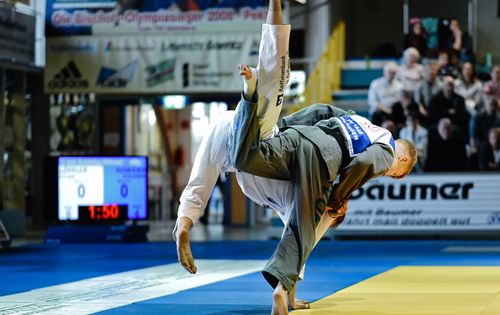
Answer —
98 188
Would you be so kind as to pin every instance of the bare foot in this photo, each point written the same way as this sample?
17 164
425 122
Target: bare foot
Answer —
249 81
295 303
280 306
245 71
300 304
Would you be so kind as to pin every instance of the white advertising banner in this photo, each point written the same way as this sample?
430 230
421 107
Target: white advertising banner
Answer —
437 202
148 64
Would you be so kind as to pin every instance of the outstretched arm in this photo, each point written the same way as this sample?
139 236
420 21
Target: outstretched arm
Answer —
208 164
213 151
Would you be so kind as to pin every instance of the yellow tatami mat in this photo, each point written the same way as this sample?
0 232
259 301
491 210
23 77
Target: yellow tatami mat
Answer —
418 290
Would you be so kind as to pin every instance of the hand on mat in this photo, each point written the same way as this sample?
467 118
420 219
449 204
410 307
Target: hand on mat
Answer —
181 237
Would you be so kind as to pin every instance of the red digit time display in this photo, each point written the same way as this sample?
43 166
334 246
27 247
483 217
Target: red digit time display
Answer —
102 213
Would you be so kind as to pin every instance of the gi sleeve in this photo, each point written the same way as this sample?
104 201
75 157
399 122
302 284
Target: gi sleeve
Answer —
310 115
208 164
373 162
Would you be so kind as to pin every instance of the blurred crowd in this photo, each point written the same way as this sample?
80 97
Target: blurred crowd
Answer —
440 104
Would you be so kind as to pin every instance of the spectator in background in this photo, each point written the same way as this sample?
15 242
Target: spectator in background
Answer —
431 86
446 149
383 93
448 104
492 87
470 88
488 118
489 155
445 67
411 73
405 105
389 125
417 37
418 135
460 42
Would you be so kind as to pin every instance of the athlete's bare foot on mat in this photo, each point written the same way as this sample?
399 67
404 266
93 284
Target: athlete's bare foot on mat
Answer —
295 303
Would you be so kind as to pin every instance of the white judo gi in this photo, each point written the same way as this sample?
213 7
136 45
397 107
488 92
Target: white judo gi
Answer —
212 157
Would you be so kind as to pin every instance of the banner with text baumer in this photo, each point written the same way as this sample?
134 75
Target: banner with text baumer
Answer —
437 202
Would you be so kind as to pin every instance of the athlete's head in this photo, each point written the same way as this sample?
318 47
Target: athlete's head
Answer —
405 157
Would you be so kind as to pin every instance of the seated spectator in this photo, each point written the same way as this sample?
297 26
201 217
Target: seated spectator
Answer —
431 86
405 105
446 149
383 93
460 42
417 37
391 126
447 104
446 68
418 135
411 73
470 88
492 87
489 154
486 119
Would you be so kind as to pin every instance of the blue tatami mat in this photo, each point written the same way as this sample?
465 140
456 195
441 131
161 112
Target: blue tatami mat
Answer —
333 265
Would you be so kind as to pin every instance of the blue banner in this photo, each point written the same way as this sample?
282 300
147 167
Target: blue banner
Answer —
87 17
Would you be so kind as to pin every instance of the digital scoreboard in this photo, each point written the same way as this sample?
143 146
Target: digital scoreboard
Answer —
102 189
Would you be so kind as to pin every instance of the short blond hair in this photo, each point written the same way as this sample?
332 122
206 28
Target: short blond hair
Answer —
411 151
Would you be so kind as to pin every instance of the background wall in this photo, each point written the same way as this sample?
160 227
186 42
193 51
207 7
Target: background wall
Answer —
370 23
441 8
488 26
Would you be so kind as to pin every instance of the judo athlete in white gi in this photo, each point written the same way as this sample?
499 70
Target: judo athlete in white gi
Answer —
212 157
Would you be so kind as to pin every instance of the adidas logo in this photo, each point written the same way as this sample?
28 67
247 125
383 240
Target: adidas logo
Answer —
68 77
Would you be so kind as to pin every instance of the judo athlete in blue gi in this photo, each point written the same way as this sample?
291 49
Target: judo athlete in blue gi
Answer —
311 157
